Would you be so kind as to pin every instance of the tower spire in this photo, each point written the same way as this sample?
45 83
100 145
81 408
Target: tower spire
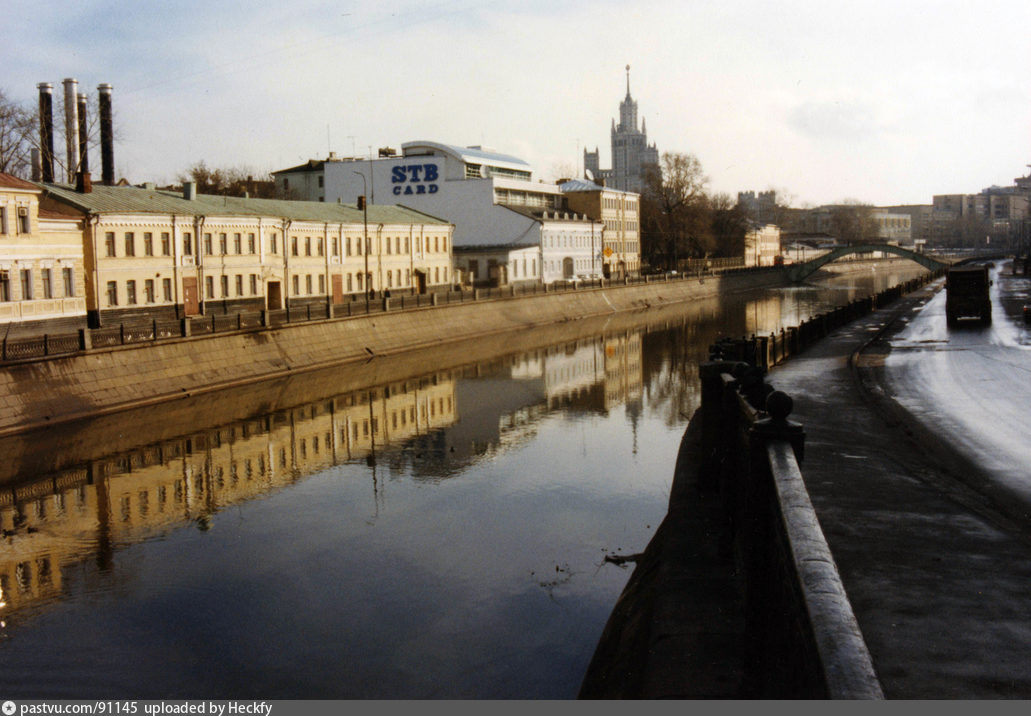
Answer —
628 80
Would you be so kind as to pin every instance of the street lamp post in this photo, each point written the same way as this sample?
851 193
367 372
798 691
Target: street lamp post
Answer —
365 248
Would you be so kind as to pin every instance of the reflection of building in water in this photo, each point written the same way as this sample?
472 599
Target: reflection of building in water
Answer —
67 518
624 377
502 404
763 315
86 514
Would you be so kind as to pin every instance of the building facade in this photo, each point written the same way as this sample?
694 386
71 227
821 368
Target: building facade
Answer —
631 153
620 214
501 216
762 245
42 277
152 253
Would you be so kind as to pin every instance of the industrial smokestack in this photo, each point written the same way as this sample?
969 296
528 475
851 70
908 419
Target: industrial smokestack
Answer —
71 126
83 134
107 150
37 164
46 130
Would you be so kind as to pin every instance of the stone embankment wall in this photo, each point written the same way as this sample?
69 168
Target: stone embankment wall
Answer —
59 389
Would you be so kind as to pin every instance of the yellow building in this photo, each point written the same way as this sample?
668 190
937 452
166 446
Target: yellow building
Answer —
620 212
41 261
85 514
152 253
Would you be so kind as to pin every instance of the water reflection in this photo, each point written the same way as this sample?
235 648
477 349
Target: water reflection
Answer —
438 534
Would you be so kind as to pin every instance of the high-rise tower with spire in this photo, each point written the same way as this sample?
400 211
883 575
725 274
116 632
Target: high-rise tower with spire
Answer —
630 149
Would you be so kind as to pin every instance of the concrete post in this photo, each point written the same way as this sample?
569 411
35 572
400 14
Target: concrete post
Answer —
184 327
85 339
433 299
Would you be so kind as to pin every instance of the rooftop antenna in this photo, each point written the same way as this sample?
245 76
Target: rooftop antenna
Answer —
628 80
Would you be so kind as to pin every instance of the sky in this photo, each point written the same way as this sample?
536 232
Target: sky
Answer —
883 102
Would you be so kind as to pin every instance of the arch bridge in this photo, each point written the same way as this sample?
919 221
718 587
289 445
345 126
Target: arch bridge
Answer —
799 272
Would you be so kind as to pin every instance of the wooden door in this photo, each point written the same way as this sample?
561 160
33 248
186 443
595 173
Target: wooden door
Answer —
191 301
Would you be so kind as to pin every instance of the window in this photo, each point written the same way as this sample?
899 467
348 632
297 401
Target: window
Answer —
254 284
349 286
23 220
293 245
223 244
148 290
238 243
348 246
148 243
388 245
109 243
112 293
5 286
307 246
166 243
359 282
397 244
336 246
166 289
26 284
225 286
239 284
390 279
130 293
274 244
209 287
48 286
68 278
187 244
130 244
322 246
307 284
208 249
322 283
297 285
3 220
251 245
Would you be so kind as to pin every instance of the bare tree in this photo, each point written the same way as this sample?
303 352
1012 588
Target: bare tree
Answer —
729 224
675 211
16 137
229 181
853 222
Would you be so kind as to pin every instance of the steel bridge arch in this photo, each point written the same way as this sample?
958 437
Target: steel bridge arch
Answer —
799 272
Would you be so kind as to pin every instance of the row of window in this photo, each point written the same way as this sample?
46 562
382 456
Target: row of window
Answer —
615 225
235 285
629 205
391 245
131 298
569 242
28 287
627 247
21 226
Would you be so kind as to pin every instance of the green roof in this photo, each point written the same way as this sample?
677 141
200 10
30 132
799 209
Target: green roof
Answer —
130 199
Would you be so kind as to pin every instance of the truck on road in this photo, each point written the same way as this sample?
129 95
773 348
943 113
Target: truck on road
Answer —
966 294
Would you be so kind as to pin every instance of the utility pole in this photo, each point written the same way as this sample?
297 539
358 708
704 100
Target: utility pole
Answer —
365 251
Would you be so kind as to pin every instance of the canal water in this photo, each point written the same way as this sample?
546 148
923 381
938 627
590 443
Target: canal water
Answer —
442 536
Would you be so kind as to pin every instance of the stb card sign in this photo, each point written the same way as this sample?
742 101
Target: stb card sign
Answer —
415 179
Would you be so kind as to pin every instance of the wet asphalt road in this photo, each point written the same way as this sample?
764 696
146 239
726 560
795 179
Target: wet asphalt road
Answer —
972 384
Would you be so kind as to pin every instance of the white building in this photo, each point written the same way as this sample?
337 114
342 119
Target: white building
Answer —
508 228
762 245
